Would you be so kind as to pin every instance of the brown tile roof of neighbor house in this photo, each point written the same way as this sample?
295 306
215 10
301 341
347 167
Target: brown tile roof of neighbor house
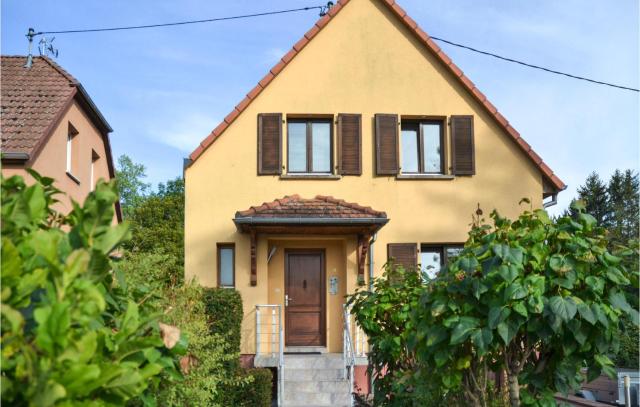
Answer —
293 206
430 45
34 99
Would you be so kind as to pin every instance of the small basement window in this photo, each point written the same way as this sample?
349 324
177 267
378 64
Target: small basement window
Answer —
226 264
434 257
310 146
422 147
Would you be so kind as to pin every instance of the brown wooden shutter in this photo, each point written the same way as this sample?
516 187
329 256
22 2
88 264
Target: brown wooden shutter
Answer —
269 143
350 144
386 144
462 146
405 254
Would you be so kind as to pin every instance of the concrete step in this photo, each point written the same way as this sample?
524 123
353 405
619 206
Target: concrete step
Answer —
324 386
302 375
327 399
314 361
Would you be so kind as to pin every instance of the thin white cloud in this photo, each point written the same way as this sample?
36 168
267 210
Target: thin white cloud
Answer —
183 131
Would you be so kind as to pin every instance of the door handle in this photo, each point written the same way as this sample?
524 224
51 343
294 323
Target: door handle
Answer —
286 300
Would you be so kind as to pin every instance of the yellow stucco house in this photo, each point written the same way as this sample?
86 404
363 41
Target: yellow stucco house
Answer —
364 142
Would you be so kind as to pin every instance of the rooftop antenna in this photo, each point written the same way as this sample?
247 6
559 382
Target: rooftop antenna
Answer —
325 9
45 46
30 34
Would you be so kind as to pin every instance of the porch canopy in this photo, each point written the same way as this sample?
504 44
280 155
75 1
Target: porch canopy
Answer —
322 215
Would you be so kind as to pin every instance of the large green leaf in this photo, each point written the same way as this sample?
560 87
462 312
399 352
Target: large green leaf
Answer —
615 275
462 330
586 313
514 291
507 330
497 315
596 284
482 338
508 273
618 300
563 307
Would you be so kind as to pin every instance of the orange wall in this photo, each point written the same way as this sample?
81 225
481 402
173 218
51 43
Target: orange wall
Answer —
51 161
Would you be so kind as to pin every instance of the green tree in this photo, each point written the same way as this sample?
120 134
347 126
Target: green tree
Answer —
72 333
624 202
157 225
131 187
595 196
537 298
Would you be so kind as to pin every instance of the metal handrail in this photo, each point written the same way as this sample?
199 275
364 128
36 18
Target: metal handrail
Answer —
348 352
280 335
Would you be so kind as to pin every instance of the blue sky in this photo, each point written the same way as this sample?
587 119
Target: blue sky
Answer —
163 90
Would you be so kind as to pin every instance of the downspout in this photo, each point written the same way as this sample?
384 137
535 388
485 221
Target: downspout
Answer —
373 240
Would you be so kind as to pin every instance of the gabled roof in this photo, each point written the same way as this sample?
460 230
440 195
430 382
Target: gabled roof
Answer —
424 38
320 207
33 101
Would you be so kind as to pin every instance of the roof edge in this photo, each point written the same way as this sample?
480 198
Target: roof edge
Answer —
251 220
431 46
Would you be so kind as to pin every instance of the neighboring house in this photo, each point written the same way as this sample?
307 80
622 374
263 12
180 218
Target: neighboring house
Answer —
50 124
365 111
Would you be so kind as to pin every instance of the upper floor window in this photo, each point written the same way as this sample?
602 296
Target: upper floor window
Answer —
72 151
422 147
92 175
310 146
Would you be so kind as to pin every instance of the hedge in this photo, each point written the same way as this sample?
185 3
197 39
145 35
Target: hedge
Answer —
223 307
255 393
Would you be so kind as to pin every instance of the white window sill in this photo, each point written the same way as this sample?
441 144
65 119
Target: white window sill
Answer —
442 177
310 176
76 180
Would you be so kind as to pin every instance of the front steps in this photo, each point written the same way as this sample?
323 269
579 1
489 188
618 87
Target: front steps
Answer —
315 380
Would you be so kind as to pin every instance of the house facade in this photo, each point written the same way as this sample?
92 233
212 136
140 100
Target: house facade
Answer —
364 143
50 124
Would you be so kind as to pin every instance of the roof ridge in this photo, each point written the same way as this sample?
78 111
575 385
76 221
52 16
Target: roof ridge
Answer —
60 70
395 8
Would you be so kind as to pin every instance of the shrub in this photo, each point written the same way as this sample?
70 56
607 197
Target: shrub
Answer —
204 366
253 390
223 307
538 298
71 333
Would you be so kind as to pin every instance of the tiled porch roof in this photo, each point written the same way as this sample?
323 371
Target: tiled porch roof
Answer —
293 206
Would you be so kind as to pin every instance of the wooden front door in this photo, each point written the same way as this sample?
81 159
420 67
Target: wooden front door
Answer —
305 291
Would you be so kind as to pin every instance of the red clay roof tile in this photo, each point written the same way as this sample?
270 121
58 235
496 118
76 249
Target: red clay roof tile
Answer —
32 98
293 206
430 44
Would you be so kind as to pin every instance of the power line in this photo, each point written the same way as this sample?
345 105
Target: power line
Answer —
322 9
534 66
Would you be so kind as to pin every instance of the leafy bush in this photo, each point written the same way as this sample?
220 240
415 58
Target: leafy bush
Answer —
538 298
204 367
223 307
253 389
71 333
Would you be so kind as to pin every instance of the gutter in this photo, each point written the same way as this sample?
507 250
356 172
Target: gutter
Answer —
93 107
309 221
15 156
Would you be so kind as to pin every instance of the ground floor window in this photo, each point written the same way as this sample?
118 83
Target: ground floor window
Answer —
434 256
226 264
